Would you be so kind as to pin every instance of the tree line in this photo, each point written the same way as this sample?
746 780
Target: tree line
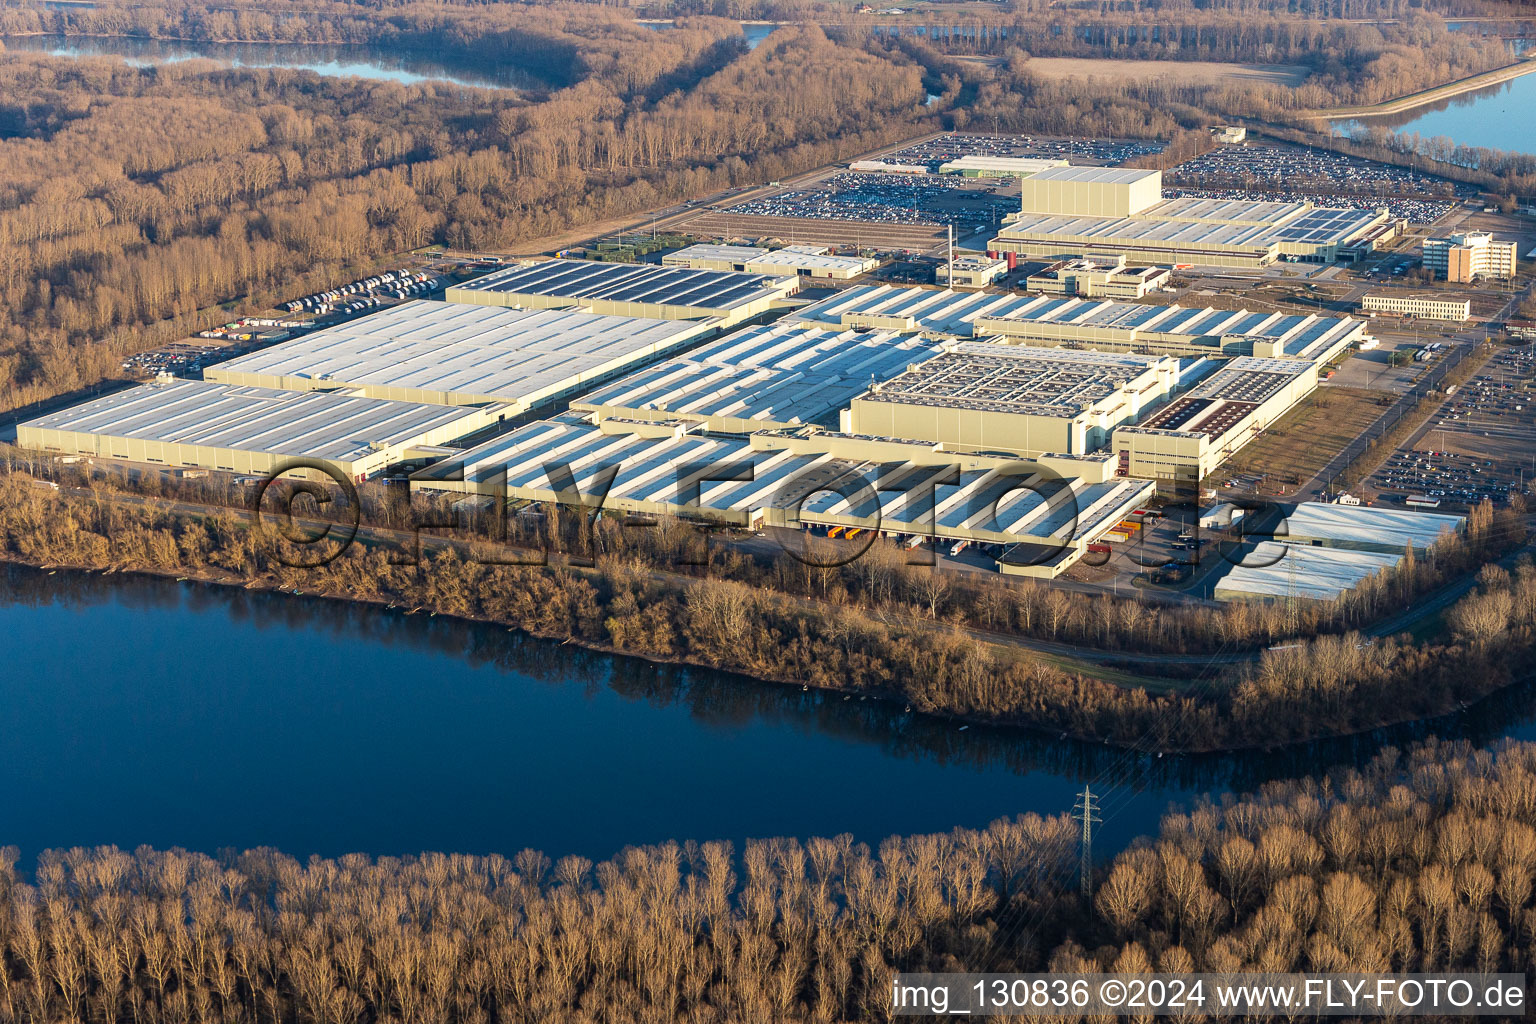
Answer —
139 204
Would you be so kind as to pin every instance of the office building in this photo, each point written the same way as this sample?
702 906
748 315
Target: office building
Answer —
1098 279
1425 307
1470 255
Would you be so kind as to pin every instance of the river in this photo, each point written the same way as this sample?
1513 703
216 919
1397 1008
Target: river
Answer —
143 711
1497 117
335 60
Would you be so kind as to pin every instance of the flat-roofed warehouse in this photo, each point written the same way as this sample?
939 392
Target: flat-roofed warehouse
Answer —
812 261
1275 571
1365 528
628 289
193 423
785 481
1187 440
1121 212
981 397
1171 330
761 377
457 354
908 309
977 165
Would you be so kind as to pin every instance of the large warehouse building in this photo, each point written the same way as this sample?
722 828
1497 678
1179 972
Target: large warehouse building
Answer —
783 479
1319 551
1171 330
1120 212
1185 441
759 378
981 397
202 425
628 289
456 354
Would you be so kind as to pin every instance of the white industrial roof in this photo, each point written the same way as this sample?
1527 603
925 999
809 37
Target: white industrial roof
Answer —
1020 165
933 311
794 259
468 352
1096 175
308 424
716 253
780 374
1014 505
1385 528
1276 570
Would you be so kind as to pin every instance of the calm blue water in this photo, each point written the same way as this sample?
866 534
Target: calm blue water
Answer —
1498 117
330 60
753 32
145 711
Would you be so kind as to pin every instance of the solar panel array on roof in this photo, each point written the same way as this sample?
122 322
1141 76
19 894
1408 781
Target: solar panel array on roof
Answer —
630 282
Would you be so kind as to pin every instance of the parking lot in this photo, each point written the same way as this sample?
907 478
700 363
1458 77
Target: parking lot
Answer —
1481 445
1277 168
1079 151
970 204
1416 211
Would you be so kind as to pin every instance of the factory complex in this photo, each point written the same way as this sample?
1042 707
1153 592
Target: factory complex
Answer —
706 387
1114 212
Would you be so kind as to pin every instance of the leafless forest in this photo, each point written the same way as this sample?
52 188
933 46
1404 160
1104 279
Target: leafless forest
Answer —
1421 861
139 204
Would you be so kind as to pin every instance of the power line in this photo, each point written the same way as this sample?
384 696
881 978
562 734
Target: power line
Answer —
1085 812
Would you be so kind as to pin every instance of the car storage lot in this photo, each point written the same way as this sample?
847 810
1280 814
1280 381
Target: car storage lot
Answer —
1079 151
1274 167
1483 443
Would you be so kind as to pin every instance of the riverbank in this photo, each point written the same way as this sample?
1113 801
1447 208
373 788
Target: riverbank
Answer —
1412 101
1184 725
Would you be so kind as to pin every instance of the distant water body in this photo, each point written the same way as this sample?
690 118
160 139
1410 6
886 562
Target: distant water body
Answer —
330 60
145 711
1498 117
